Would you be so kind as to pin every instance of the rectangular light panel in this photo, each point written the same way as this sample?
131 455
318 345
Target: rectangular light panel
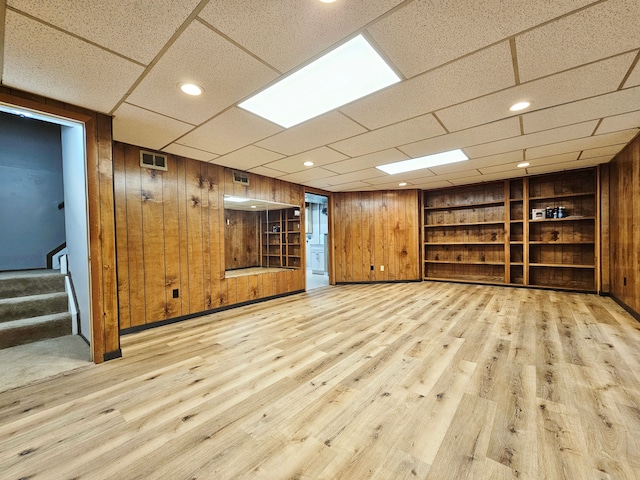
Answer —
351 71
419 163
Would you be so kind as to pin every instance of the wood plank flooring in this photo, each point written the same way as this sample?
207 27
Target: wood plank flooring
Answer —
386 381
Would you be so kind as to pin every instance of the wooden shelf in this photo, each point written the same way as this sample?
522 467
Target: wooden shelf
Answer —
470 224
463 243
469 205
453 262
563 195
565 219
560 265
560 243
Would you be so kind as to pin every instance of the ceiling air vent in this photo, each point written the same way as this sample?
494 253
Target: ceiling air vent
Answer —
153 160
241 178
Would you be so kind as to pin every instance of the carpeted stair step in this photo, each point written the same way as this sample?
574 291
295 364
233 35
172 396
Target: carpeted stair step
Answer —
33 306
24 283
29 330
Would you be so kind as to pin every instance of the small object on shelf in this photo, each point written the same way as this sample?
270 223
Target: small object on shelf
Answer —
549 212
276 229
562 213
538 213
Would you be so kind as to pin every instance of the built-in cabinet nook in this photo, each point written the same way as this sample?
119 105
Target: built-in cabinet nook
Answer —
536 231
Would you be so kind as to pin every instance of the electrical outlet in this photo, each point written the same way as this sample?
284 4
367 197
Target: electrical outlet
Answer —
176 293
382 268
372 268
625 281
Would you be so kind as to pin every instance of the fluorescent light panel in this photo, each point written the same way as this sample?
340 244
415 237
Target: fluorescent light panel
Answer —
235 199
351 71
442 158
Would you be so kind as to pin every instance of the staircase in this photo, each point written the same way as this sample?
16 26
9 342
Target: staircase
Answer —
33 307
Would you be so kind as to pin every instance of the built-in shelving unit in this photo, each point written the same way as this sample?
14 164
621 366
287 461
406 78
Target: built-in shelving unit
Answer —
485 233
280 232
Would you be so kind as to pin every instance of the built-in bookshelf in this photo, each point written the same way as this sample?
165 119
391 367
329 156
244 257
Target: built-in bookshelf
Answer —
487 233
281 238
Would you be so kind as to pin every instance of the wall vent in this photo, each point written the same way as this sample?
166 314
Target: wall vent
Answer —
153 160
241 178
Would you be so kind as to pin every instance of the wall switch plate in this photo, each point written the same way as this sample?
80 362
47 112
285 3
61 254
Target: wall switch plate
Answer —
382 268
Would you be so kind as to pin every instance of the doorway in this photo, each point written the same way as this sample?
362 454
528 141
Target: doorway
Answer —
317 239
69 201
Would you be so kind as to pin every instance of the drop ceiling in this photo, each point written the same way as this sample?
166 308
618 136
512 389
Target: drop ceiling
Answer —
462 65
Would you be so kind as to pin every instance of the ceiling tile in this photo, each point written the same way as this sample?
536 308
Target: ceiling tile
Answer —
419 128
247 157
232 76
42 60
401 177
314 173
327 128
621 122
137 30
634 78
267 172
558 167
433 185
361 175
578 144
554 159
317 184
583 82
268 31
425 34
141 127
584 37
609 150
582 110
531 140
464 79
320 156
353 186
489 177
367 161
229 131
491 132
508 158
189 152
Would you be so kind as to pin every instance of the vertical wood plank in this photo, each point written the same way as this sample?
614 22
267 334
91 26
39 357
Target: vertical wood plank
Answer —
171 219
183 237
195 244
120 191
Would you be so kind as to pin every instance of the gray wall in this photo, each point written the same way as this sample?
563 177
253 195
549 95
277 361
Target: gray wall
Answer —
30 190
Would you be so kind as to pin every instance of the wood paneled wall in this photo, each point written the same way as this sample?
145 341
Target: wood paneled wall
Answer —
624 216
170 235
242 239
105 343
376 229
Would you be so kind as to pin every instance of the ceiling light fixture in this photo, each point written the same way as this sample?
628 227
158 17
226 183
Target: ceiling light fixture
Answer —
442 158
327 1
516 107
523 165
347 73
233 199
191 89
308 164
402 184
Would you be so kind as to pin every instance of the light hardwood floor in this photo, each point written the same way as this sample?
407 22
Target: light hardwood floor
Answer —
395 381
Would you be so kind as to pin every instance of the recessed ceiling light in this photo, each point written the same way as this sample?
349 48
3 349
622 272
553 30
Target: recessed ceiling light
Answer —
516 107
347 73
523 164
253 206
442 158
327 1
402 184
308 164
191 89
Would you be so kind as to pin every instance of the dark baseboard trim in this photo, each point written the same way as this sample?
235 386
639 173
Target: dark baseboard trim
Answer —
160 323
629 310
112 355
379 281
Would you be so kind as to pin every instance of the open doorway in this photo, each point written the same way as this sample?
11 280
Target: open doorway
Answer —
44 261
317 238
